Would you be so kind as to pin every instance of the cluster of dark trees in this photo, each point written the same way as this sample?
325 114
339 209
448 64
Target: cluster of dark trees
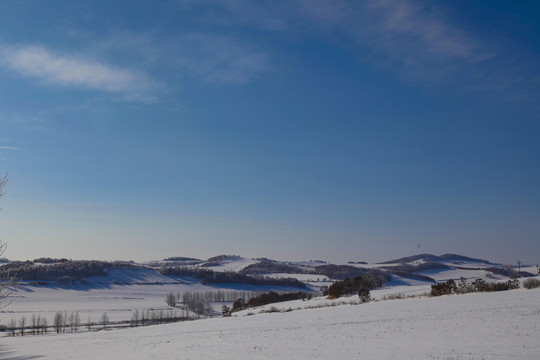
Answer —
361 285
215 277
264 299
478 285
64 271
266 266
341 272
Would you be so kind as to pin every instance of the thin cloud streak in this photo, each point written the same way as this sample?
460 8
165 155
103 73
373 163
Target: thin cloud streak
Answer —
38 62
4 147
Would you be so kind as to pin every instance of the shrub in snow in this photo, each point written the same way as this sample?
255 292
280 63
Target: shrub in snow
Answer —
444 288
364 295
531 283
477 285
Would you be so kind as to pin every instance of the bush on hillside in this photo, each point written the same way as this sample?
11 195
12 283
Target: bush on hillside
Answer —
269 298
478 285
444 288
531 283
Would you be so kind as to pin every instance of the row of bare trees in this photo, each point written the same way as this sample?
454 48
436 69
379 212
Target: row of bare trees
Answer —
62 322
200 302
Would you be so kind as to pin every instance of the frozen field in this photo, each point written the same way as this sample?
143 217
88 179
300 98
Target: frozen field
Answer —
503 325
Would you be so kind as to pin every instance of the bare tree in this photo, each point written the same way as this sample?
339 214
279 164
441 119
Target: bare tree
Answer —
6 284
43 325
35 324
170 299
12 327
76 322
135 318
22 325
104 320
58 321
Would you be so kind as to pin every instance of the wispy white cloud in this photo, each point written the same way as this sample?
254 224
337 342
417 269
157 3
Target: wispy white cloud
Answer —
39 62
5 147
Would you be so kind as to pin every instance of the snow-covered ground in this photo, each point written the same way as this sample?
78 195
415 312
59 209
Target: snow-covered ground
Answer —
144 290
502 325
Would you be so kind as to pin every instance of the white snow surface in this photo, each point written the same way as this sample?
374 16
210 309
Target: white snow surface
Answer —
502 325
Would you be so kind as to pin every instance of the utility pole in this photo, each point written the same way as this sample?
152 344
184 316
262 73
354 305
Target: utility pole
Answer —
519 266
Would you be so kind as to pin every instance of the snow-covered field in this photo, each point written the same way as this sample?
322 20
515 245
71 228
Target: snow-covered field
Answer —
118 295
502 325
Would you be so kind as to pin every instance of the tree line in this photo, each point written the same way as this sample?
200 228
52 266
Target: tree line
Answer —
228 277
200 302
64 271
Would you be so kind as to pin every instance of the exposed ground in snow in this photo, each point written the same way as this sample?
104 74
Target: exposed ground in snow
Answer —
503 325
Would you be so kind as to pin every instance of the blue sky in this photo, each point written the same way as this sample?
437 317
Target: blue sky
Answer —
337 130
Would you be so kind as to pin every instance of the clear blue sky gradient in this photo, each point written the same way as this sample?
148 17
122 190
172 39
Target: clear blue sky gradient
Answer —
337 130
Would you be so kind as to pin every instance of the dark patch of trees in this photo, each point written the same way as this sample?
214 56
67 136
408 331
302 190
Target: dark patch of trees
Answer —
341 272
360 285
479 285
65 272
182 261
180 258
268 298
215 277
444 288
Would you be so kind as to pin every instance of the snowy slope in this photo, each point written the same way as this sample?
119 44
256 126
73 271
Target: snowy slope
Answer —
228 263
475 326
